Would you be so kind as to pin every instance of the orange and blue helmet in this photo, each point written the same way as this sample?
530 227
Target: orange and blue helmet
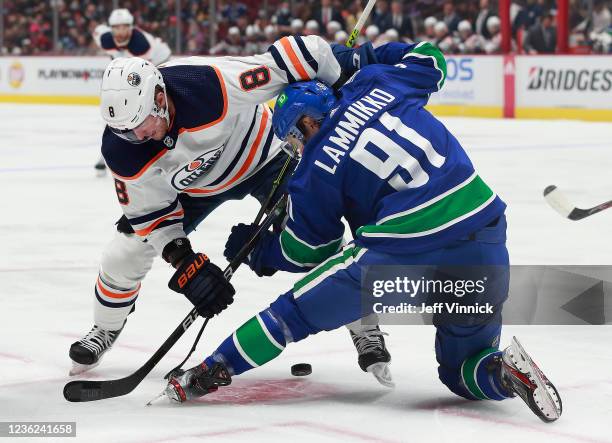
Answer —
312 98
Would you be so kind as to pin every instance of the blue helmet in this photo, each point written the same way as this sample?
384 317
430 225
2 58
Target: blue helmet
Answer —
312 98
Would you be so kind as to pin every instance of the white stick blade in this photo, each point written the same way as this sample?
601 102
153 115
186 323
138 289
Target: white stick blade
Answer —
558 201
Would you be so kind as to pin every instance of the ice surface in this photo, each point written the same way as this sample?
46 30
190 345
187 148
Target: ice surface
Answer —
56 217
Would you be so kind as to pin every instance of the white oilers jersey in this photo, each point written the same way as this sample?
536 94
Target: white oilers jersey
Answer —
221 133
141 44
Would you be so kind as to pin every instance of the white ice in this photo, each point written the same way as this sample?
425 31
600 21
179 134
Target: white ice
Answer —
56 218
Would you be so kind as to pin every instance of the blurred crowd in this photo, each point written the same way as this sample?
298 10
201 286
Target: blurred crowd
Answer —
250 26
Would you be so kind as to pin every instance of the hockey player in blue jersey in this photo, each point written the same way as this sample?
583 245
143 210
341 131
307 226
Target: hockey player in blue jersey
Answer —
411 196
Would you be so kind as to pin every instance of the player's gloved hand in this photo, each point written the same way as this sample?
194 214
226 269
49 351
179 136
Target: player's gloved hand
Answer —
239 237
201 281
352 60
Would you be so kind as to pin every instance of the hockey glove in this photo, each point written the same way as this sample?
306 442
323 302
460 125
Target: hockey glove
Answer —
352 60
240 236
201 281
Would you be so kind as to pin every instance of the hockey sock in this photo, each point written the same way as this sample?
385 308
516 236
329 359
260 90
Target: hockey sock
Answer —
481 375
113 304
253 344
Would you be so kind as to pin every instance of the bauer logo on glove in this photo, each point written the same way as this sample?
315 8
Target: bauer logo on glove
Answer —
191 270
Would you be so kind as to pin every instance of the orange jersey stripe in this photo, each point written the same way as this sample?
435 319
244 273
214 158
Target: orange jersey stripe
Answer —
223 114
116 294
248 161
294 59
149 229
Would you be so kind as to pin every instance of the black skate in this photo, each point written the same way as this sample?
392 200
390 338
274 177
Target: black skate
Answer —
524 378
195 382
100 168
87 352
373 355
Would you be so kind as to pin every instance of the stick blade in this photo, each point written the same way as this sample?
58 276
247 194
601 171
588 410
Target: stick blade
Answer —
558 201
90 390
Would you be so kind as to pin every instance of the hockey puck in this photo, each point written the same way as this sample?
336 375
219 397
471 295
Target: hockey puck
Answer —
301 369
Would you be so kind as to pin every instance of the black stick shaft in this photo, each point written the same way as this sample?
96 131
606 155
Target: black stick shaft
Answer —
89 390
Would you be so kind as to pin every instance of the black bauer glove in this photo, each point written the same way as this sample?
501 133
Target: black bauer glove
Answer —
201 281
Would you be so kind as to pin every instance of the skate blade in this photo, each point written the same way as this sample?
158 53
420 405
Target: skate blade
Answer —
382 373
78 368
157 398
546 395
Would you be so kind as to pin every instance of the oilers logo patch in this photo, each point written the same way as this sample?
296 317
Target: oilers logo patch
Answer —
133 79
195 169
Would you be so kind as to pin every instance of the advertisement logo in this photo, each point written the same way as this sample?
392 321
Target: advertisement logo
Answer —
593 80
16 74
70 74
459 69
196 168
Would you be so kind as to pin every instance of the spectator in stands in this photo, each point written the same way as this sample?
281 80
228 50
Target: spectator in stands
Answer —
341 37
371 33
392 35
297 26
466 41
381 16
450 17
282 18
352 14
542 37
492 45
251 35
443 39
271 35
326 14
312 27
482 19
232 11
430 33
232 45
331 29
400 20
601 19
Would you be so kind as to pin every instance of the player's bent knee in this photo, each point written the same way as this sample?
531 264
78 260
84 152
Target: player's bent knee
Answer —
286 309
126 260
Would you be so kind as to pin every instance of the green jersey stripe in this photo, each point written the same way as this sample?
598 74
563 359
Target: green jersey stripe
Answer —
254 342
468 373
332 265
301 253
427 50
436 215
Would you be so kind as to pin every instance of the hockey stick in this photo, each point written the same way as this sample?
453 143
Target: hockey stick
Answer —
559 202
275 184
90 390
359 25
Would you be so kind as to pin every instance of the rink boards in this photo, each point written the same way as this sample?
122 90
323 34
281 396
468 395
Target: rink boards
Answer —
568 87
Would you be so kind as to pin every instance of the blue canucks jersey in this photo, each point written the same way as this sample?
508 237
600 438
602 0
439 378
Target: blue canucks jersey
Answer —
384 163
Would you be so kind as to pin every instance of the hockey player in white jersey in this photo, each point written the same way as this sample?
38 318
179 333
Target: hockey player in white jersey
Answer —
122 39
180 140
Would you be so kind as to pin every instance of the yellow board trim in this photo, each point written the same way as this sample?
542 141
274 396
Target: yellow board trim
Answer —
466 111
596 115
50 99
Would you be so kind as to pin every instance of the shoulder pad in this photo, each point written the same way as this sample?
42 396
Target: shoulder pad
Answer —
138 44
199 90
129 161
107 42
